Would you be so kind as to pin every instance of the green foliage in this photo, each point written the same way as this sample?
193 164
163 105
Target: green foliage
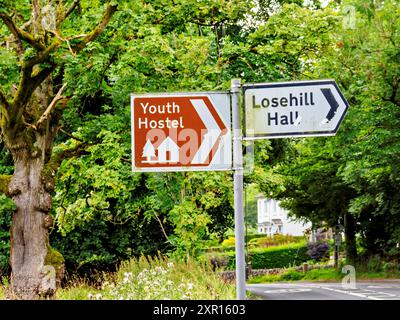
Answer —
374 264
274 257
78 291
250 193
229 242
101 245
356 172
279 257
7 207
198 206
322 274
264 278
105 214
292 275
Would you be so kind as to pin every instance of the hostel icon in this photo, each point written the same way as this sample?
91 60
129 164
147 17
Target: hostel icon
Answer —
167 152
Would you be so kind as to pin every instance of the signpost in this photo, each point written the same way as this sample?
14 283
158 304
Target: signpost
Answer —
192 131
293 109
181 132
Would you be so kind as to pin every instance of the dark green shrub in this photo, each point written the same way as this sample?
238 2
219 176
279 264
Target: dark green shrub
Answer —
374 264
274 257
279 257
390 267
101 245
7 206
292 275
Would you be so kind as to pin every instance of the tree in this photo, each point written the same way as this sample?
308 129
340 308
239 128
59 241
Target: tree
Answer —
30 121
354 175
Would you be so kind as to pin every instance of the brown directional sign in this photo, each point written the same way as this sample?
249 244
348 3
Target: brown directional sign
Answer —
179 132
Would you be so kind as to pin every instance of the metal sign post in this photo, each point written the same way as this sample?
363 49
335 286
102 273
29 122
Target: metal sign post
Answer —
238 192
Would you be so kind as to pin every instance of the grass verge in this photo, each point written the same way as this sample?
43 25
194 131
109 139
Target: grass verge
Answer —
321 275
158 278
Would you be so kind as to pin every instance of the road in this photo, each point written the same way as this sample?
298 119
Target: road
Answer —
365 290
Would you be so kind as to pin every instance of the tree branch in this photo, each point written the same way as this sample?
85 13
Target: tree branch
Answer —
3 99
21 34
51 106
57 158
211 24
43 55
111 9
69 11
71 135
10 25
27 86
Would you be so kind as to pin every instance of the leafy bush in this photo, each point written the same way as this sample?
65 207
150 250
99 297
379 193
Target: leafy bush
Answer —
318 250
292 275
390 267
99 245
229 242
274 257
323 275
7 206
374 264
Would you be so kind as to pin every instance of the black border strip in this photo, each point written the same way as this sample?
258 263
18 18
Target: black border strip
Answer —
292 84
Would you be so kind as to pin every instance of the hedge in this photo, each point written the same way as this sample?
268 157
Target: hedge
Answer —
274 257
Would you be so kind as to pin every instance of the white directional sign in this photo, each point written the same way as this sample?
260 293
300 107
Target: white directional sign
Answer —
293 109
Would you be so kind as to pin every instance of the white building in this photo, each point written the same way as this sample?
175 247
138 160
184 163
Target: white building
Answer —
272 219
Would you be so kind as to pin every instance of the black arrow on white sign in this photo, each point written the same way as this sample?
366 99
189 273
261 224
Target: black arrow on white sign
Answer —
332 103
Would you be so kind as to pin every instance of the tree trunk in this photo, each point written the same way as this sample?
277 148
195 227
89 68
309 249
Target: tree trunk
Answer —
350 236
31 278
